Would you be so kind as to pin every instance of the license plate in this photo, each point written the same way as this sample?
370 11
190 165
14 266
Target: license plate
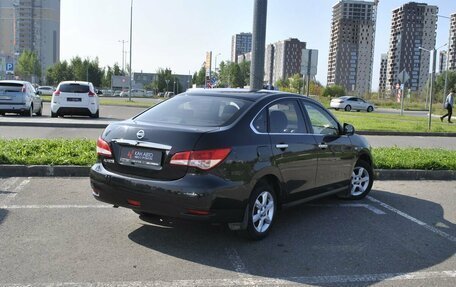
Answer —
140 157
5 98
74 99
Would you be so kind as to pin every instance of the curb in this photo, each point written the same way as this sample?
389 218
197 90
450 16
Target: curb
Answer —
55 125
83 171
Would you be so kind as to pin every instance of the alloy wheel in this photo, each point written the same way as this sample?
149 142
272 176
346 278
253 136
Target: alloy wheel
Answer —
359 181
263 212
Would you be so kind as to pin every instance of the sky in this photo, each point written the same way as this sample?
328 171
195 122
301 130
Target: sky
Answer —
176 34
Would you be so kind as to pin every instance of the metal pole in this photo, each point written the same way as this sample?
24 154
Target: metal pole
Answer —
308 72
402 93
131 50
258 44
445 89
431 92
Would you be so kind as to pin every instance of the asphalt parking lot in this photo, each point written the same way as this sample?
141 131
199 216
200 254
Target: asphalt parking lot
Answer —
52 232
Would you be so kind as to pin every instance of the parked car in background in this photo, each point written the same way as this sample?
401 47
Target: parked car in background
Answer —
19 97
134 93
348 104
116 93
46 90
149 93
75 98
230 156
106 93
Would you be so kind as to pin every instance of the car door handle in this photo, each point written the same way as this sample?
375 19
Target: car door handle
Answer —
281 146
323 146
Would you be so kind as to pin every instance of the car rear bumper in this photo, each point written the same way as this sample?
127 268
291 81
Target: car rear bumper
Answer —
13 107
187 198
74 110
337 105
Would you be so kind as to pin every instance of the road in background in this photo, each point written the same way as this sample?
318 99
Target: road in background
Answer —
53 232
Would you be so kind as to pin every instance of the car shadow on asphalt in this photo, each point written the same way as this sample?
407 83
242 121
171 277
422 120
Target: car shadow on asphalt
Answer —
323 238
3 215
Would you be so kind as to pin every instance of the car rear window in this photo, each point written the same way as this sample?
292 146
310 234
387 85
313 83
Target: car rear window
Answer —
11 87
74 88
199 111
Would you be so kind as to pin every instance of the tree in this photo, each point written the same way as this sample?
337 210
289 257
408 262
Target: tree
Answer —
440 83
334 91
61 71
200 79
245 72
165 81
28 66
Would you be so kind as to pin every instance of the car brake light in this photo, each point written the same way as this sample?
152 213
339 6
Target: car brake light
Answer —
202 159
103 148
57 93
91 94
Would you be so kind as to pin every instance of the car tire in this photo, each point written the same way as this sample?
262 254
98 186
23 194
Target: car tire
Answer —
348 108
262 211
2 114
53 115
370 109
95 115
29 112
361 181
40 111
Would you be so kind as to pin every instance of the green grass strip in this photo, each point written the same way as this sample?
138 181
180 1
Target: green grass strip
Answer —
82 152
48 152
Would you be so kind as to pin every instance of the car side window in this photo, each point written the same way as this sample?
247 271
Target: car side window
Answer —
260 123
286 117
321 121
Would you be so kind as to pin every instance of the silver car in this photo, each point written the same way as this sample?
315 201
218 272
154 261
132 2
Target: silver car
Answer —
19 97
348 104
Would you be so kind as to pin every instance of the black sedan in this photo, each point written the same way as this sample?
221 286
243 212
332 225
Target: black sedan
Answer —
230 156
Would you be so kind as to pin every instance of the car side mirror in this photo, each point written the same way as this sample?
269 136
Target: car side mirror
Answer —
349 130
38 93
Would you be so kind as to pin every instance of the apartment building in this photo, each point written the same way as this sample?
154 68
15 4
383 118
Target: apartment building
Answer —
352 43
413 27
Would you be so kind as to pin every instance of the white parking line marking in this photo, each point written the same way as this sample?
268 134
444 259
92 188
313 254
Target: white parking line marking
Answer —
256 281
413 219
6 184
12 194
367 206
53 206
236 261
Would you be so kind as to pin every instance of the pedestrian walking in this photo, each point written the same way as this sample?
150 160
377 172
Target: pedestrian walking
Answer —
449 103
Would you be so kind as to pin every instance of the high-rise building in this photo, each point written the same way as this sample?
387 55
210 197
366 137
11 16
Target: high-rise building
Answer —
383 66
30 25
351 51
413 27
442 61
240 44
452 48
283 59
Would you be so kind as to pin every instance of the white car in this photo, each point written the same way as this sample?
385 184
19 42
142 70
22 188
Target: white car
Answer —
46 90
19 97
348 104
75 98
134 93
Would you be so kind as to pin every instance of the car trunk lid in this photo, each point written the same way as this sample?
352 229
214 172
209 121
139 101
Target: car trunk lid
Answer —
144 150
11 93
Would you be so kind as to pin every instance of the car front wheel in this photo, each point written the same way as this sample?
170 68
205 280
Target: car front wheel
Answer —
361 180
262 211
348 108
370 109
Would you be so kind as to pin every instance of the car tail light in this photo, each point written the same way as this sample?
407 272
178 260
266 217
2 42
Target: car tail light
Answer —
57 93
197 212
202 159
103 148
91 94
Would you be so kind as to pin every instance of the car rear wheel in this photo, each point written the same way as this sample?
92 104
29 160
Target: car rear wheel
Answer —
95 115
348 108
262 211
40 111
370 109
53 115
29 112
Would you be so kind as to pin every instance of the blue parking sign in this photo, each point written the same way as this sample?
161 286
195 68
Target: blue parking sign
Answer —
9 67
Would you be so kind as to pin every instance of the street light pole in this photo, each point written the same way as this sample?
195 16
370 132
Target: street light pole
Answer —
123 54
131 36
433 54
